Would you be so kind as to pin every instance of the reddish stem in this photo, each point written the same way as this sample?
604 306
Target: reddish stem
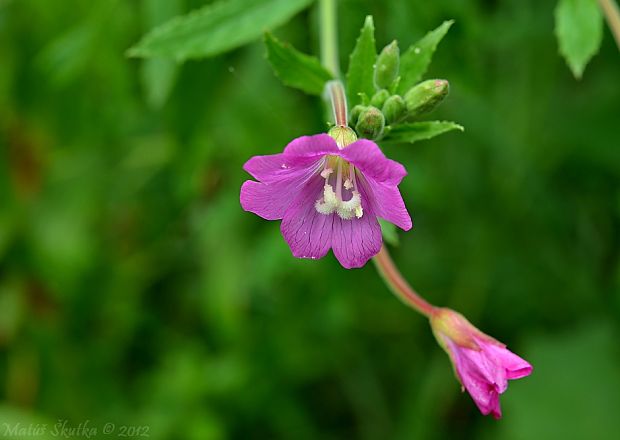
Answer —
399 286
338 100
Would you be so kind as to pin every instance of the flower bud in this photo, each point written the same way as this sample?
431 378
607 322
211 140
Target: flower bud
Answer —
394 109
355 113
482 364
371 123
386 69
379 98
426 96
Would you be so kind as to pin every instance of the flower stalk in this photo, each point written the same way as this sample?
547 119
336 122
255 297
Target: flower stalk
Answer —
399 286
338 101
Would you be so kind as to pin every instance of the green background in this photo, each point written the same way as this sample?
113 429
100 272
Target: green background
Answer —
134 290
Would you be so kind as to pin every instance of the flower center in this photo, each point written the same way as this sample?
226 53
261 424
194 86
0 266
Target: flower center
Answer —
346 200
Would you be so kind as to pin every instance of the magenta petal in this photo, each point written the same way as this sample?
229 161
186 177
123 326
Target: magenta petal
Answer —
311 146
357 240
278 167
482 380
369 158
266 168
263 200
388 204
307 232
271 198
515 367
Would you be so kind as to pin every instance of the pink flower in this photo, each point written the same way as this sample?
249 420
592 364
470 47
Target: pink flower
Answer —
328 195
482 364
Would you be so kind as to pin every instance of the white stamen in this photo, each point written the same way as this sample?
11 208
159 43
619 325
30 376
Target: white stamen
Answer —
329 203
326 173
347 209
332 201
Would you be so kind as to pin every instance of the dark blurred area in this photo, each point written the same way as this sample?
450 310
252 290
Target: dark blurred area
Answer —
135 291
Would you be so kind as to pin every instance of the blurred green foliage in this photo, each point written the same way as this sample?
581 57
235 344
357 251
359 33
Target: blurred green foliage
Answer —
134 290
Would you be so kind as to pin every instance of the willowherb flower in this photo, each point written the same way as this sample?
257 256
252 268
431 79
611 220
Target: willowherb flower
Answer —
328 190
482 364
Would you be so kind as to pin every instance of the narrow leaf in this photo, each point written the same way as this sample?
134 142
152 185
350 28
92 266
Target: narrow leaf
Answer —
362 65
295 69
415 61
389 232
216 28
417 131
579 29
159 74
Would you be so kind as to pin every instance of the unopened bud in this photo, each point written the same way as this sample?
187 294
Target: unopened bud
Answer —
386 69
426 96
371 123
379 98
394 109
355 113
342 135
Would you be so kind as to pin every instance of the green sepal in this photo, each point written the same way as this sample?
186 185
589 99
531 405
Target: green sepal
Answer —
386 68
355 113
394 109
370 124
379 98
426 96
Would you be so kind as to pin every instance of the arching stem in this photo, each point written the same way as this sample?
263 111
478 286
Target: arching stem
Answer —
399 286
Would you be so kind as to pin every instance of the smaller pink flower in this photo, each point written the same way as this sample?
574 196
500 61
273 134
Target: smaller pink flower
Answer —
482 364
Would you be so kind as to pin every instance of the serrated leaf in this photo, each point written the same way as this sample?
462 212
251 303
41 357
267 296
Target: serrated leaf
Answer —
216 28
296 69
415 61
362 65
579 29
389 232
417 131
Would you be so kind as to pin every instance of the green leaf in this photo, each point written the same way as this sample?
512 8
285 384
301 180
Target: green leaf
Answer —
216 28
579 29
360 76
295 69
417 131
389 232
415 61
159 74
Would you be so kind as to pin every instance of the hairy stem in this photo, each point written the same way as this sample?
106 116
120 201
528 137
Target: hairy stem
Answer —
612 15
399 286
338 100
